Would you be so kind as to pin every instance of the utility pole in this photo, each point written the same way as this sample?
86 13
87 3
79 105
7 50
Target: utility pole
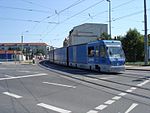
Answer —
109 17
22 47
145 35
21 42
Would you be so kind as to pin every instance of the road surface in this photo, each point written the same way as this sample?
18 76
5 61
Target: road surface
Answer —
58 89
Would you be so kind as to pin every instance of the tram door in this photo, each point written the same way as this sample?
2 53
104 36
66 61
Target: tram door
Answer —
91 54
97 54
102 54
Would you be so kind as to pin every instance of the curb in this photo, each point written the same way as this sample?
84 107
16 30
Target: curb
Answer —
138 69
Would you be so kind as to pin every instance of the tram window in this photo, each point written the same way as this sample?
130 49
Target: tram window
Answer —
97 51
102 51
91 51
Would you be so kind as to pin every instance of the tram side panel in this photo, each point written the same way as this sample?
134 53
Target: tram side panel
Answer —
60 56
51 56
78 56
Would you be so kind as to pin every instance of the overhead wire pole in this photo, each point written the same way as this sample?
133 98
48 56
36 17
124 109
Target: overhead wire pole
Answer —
22 41
145 35
109 1
22 47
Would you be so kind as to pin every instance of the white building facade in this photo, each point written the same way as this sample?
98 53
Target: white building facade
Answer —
87 32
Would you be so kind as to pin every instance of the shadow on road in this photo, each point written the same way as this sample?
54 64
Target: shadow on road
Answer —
72 70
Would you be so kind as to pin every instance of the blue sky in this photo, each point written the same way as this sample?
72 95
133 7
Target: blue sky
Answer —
51 20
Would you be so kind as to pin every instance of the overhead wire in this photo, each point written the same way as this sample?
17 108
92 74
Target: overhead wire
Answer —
102 12
33 21
56 12
129 15
76 3
61 11
125 3
91 6
31 10
33 3
97 3
118 6
72 5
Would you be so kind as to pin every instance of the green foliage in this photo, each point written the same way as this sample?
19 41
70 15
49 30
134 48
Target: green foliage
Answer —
39 51
118 38
133 46
105 36
18 49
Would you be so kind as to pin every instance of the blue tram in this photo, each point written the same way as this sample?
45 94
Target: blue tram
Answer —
101 55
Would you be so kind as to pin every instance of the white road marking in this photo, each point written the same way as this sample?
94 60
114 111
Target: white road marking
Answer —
101 107
131 107
129 90
122 94
107 77
105 105
116 98
56 84
12 95
24 71
8 76
60 110
109 102
133 88
143 83
87 78
26 76
92 111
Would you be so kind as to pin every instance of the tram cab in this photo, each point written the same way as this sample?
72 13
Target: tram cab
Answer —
106 56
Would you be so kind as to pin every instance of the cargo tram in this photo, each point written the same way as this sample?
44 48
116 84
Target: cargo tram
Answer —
100 55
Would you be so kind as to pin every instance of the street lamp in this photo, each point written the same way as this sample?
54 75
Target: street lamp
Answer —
109 17
145 35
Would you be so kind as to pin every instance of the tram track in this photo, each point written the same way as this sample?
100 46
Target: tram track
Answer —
104 80
119 83
134 75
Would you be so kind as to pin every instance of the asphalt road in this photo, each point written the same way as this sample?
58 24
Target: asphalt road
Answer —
57 89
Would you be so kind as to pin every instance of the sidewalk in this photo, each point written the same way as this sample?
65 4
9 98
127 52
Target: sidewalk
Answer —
128 67
140 68
16 62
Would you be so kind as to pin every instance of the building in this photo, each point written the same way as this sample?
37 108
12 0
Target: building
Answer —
10 50
85 33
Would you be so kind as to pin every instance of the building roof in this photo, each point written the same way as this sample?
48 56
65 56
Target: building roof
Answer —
90 24
9 52
31 44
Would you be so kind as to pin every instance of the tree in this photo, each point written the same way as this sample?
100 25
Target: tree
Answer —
105 36
39 52
118 38
133 46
